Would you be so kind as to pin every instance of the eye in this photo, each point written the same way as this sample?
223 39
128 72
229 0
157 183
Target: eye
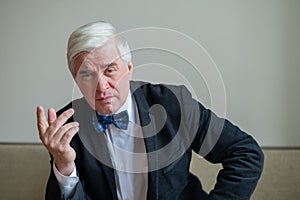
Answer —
84 73
87 74
111 69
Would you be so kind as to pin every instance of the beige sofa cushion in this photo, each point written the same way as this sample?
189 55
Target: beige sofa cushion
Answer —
280 179
24 169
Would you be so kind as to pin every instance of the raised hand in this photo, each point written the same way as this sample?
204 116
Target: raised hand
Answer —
56 137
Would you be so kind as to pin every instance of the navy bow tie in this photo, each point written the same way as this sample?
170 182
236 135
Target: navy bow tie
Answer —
120 120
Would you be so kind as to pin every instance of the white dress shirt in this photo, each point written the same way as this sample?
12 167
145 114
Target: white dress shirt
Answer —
129 158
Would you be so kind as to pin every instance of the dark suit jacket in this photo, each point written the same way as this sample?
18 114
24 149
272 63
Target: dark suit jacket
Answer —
172 131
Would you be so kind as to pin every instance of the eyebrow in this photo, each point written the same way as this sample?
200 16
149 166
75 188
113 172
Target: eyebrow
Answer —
83 71
85 68
109 65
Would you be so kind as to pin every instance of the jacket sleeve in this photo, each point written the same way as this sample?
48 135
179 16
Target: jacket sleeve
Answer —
53 191
242 160
219 141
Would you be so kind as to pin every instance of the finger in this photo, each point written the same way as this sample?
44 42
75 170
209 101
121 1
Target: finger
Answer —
67 137
63 130
42 123
51 116
61 120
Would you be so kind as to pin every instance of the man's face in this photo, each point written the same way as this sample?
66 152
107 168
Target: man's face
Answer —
103 78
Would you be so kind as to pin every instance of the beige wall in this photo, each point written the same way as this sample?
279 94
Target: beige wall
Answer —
255 45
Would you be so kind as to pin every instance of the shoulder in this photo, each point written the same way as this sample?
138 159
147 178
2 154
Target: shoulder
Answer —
157 89
173 97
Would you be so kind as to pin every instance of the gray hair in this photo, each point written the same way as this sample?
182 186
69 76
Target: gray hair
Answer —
91 36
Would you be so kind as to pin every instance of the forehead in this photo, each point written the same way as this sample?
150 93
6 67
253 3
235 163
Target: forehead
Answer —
104 55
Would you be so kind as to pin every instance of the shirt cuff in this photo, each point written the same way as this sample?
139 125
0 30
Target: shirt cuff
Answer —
67 184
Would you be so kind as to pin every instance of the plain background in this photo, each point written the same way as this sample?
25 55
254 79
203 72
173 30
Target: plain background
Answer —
254 44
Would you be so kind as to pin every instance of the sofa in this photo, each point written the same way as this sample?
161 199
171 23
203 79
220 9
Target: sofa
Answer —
24 169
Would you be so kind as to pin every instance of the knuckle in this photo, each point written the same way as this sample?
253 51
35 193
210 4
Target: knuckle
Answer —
66 115
68 135
63 129
44 141
72 132
52 145
51 128
40 126
61 149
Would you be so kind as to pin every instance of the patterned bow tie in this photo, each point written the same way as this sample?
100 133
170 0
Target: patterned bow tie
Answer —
120 120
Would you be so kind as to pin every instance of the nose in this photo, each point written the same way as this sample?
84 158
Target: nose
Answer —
102 84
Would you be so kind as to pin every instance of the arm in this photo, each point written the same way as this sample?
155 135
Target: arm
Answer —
240 155
54 189
56 136
219 141
67 184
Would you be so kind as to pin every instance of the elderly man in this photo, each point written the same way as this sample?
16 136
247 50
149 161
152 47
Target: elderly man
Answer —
133 140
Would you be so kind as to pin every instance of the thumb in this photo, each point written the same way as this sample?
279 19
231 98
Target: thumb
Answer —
42 124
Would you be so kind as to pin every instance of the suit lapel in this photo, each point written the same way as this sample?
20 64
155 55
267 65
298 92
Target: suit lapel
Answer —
149 127
94 141
139 92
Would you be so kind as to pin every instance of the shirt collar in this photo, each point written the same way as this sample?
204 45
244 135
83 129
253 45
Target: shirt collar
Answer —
129 106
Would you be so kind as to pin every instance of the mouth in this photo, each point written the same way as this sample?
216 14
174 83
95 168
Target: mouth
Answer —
106 99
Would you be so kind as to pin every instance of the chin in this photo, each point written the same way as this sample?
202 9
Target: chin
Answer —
104 110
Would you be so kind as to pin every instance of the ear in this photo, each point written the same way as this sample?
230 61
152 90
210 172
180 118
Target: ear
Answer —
130 67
